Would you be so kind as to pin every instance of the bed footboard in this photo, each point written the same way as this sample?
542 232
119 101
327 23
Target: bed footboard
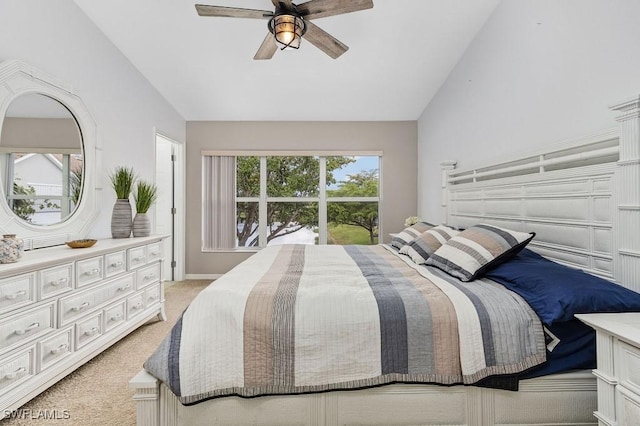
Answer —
564 399
146 398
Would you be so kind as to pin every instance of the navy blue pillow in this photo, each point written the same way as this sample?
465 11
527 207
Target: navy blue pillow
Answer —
556 292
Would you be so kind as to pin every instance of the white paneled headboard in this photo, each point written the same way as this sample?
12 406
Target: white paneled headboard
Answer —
581 198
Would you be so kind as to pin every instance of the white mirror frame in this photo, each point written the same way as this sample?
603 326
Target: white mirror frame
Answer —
18 78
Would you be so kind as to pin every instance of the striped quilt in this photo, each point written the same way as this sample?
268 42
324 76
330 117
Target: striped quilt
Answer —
294 319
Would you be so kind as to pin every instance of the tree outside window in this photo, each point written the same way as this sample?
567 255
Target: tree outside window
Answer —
348 219
293 198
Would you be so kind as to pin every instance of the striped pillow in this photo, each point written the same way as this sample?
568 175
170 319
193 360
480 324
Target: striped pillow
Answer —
476 249
409 233
420 248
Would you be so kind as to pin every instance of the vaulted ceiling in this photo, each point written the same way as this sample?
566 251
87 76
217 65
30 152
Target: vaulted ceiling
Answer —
400 53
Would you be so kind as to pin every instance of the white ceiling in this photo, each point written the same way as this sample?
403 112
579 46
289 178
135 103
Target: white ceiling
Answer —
400 52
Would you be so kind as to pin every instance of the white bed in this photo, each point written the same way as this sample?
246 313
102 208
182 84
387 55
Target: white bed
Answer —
579 198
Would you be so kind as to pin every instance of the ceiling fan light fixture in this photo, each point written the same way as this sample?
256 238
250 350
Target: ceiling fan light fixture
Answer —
287 29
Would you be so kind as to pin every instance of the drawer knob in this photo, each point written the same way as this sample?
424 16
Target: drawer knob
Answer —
62 348
116 264
80 307
91 332
92 272
139 259
22 331
116 317
155 253
137 306
14 374
15 295
124 287
61 281
150 276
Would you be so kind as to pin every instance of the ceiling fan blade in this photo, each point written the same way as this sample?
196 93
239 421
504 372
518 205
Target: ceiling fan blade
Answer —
267 49
232 12
324 41
314 9
287 3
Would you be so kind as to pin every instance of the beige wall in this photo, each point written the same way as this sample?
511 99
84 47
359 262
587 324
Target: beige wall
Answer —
397 141
51 135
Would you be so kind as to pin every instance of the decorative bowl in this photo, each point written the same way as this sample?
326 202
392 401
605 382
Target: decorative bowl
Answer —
81 243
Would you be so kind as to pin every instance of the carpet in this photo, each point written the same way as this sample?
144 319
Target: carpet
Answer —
97 393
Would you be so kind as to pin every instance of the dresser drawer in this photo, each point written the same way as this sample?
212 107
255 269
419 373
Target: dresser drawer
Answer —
115 315
17 291
115 263
26 325
154 252
55 348
17 369
147 275
54 281
88 330
628 366
137 257
76 305
135 305
152 295
89 271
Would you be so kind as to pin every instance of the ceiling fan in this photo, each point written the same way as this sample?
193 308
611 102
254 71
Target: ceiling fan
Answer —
289 23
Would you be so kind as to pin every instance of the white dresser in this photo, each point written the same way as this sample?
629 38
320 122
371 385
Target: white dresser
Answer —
60 307
618 372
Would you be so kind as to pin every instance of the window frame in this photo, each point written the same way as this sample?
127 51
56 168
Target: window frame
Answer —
321 199
66 207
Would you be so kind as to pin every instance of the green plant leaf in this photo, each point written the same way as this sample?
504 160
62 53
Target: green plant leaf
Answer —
145 195
122 180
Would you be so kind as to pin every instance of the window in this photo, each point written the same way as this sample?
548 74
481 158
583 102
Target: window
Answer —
290 199
42 188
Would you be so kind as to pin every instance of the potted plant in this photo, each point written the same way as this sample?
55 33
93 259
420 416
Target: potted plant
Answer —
75 183
122 180
145 195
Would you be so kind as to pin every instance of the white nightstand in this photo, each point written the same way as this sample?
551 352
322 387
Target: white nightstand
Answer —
618 371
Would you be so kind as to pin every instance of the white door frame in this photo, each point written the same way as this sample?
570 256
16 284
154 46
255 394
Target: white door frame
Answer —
179 203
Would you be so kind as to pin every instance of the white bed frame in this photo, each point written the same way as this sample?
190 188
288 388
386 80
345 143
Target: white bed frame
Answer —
582 198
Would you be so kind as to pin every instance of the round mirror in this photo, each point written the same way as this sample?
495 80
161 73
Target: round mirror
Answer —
41 159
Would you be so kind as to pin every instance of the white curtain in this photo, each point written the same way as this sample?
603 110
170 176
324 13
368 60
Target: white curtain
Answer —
219 204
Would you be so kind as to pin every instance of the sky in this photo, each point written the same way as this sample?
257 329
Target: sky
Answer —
361 164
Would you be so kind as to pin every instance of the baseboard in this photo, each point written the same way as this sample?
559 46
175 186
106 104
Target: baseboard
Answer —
202 276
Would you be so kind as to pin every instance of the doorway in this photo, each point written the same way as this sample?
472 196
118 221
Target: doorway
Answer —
169 212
